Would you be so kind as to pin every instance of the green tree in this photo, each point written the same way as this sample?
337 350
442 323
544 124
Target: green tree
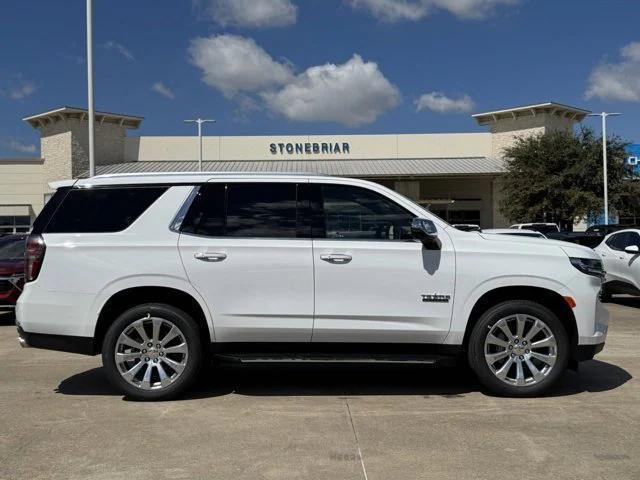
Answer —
557 177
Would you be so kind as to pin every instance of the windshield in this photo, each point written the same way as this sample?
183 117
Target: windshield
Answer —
12 250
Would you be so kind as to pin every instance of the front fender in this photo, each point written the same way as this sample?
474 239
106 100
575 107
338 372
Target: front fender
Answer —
462 309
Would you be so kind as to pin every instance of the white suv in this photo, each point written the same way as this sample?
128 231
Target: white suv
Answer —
157 271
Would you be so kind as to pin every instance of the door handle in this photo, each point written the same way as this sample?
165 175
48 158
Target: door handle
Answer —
336 258
210 257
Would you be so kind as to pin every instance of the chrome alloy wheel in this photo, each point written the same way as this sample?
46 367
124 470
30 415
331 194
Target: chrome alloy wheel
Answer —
520 349
151 353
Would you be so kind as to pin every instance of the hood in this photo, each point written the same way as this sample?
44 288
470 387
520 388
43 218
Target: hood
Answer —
570 249
11 267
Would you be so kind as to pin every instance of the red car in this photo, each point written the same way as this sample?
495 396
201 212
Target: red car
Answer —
11 269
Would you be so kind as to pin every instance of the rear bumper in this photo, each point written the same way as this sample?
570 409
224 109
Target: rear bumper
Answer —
61 343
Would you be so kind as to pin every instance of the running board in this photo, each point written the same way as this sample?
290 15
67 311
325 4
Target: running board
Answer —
333 358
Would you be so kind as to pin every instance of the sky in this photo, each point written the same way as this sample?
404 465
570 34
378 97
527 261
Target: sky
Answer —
279 67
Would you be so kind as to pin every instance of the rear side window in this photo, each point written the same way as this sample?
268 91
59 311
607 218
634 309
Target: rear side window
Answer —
102 210
49 210
248 210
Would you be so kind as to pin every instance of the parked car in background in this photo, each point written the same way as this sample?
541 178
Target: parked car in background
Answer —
544 228
620 253
604 230
514 232
579 238
156 271
12 249
467 227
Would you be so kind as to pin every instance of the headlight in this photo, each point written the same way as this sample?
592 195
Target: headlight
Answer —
590 266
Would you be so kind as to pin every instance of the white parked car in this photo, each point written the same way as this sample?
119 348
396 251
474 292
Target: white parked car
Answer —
156 271
511 231
620 252
538 227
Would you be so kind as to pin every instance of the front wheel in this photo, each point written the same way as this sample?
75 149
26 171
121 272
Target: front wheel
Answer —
152 352
518 348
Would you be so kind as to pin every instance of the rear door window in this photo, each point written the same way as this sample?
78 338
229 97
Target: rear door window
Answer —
102 210
249 210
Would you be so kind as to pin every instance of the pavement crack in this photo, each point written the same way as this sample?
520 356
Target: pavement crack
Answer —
355 436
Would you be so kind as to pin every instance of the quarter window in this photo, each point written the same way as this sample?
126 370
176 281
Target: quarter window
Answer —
101 210
355 213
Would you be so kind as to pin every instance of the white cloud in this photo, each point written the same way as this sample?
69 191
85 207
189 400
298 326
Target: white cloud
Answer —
163 90
617 81
439 102
252 13
413 10
234 64
18 146
17 90
121 49
354 93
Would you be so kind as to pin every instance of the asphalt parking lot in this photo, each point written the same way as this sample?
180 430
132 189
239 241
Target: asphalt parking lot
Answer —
61 419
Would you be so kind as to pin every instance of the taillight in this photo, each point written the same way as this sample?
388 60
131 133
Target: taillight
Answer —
33 257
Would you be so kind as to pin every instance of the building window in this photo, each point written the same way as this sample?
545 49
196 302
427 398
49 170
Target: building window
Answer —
15 224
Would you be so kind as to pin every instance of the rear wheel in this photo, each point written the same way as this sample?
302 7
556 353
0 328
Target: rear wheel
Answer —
152 352
518 348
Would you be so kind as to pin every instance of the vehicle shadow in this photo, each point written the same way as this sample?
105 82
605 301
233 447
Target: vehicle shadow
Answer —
348 380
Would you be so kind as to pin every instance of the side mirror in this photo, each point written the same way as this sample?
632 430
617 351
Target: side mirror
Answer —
632 249
425 231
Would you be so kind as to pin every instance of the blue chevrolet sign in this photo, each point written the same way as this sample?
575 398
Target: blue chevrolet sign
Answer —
633 157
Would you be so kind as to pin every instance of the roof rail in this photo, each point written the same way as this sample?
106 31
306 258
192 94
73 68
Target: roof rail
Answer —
190 174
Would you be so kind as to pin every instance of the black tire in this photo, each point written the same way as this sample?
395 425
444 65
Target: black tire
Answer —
182 321
476 356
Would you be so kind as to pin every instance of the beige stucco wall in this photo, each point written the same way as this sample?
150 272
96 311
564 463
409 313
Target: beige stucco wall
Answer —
21 183
257 147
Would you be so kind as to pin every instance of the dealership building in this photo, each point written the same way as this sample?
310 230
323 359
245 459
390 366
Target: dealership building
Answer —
455 175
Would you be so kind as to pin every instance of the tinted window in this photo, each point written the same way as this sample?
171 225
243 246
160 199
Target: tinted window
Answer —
618 241
207 212
12 249
94 210
249 210
261 210
49 209
357 213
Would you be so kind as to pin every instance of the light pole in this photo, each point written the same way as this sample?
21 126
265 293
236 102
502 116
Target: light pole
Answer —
604 116
92 159
199 122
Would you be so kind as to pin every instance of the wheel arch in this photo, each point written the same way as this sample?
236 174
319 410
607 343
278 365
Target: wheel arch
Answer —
130 297
544 296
